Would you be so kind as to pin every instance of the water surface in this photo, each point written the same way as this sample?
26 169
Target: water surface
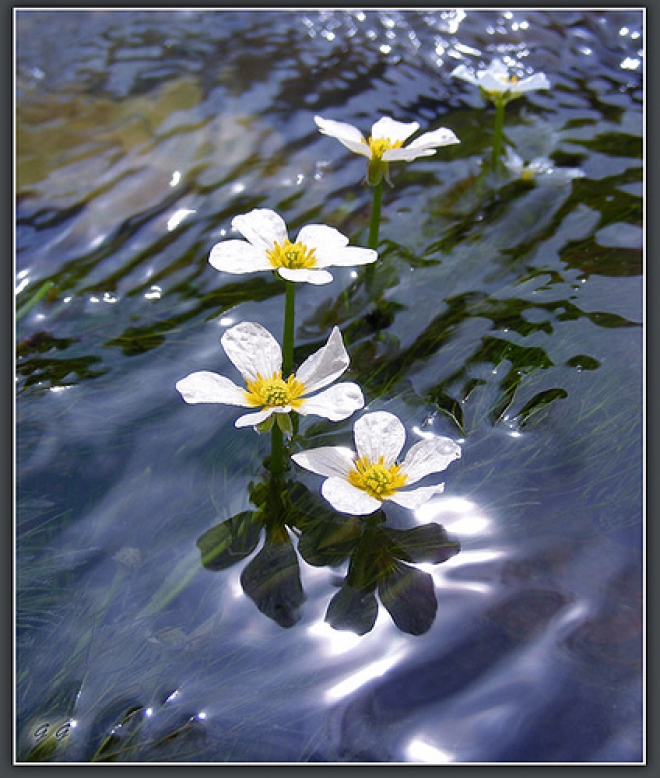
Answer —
508 318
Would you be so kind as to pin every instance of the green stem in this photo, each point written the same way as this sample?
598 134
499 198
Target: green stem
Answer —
374 227
289 328
276 451
277 438
498 133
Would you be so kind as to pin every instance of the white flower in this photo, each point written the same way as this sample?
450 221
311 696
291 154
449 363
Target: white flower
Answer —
358 483
539 167
496 82
269 248
258 358
386 141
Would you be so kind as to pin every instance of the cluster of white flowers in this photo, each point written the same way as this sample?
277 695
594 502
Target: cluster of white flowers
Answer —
357 482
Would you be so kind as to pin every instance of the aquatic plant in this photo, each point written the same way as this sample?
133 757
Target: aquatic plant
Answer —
355 485
385 145
258 357
358 483
267 247
539 167
498 85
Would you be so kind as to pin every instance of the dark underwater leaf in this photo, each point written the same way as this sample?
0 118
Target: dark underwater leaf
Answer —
409 596
353 610
272 581
426 543
329 543
230 541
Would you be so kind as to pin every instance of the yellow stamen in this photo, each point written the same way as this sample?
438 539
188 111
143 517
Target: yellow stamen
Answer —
378 146
293 256
275 392
377 479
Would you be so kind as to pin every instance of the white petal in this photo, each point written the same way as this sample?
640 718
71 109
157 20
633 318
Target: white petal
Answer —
406 154
261 227
393 130
346 257
490 82
320 236
346 498
537 81
440 137
252 350
325 365
336 403
300 276
252 419
237 256
497 69
513 161
326 460
566 173
429 456
495 77
207 387
462 71
414 498
379 434
346 134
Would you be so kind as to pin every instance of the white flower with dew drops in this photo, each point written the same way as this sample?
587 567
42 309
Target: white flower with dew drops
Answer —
258 358
267 247
496 81
358 482
385 144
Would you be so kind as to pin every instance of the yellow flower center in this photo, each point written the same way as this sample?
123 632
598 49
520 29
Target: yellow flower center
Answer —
527 174
378 146
377 479
293 256
274 392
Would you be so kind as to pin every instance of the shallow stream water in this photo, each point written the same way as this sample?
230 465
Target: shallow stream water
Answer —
504 313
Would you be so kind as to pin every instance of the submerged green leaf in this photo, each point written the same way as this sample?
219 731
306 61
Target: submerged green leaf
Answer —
329 542
426 543
272 581
230 541
354 610
409 596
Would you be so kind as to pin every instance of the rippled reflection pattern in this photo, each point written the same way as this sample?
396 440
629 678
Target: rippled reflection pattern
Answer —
505 314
